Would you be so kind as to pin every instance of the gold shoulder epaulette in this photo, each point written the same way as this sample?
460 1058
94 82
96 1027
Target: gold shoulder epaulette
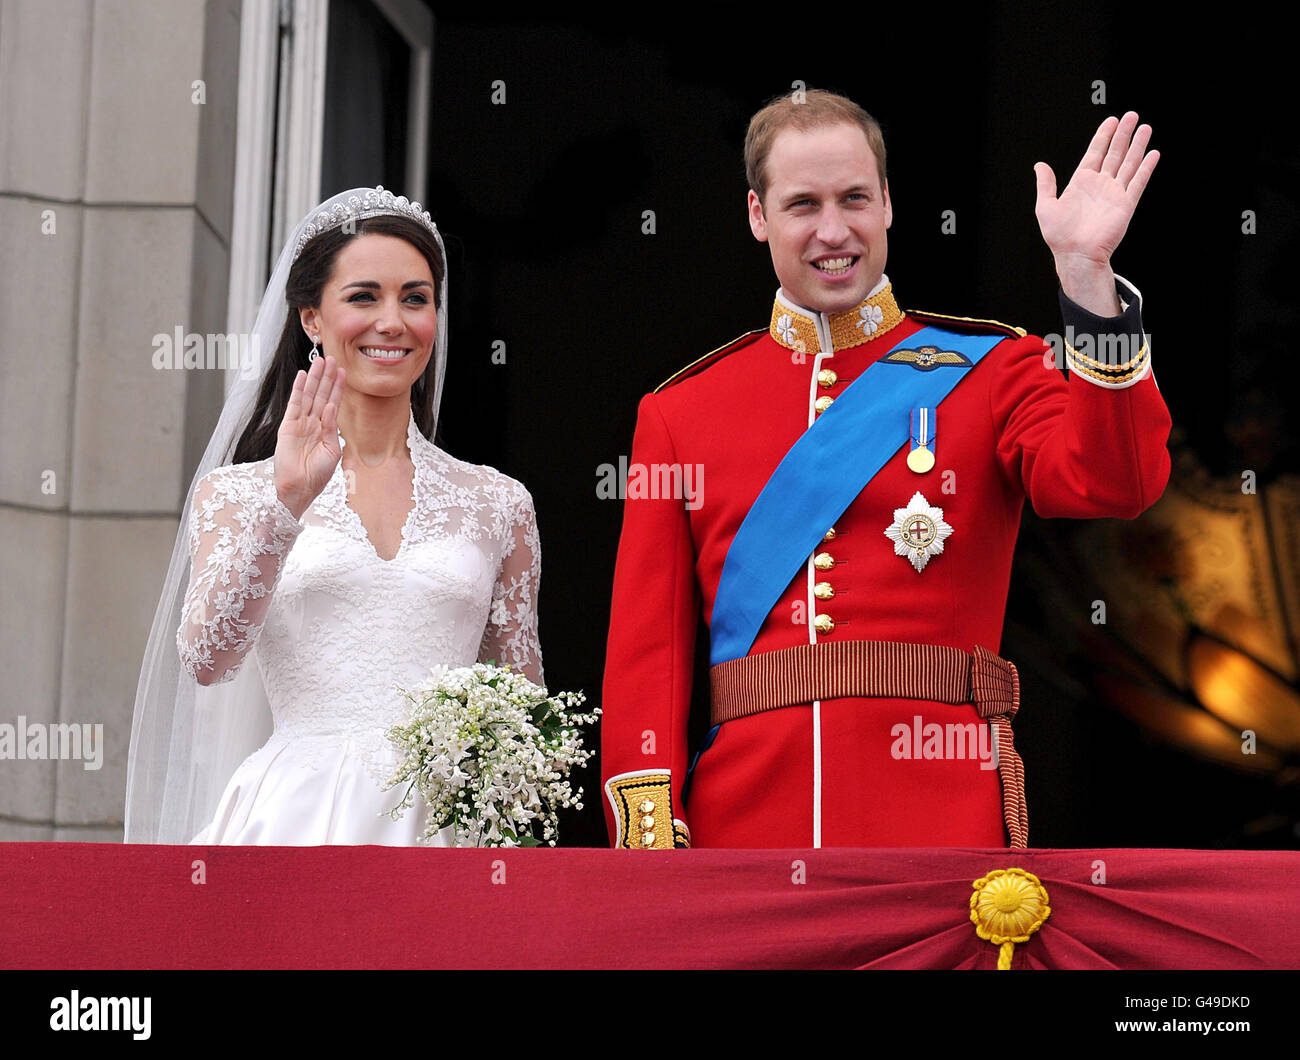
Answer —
973 323
709 358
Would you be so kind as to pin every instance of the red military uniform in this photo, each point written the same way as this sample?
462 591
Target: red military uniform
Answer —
833 772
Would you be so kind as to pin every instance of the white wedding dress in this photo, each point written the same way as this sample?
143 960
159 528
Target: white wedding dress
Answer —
334 629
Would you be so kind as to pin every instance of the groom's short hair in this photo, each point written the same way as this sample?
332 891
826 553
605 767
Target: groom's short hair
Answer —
805 109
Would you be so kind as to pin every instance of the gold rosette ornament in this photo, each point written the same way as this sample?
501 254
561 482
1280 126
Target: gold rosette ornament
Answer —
1007 907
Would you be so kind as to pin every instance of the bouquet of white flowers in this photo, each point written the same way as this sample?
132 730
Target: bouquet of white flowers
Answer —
490 752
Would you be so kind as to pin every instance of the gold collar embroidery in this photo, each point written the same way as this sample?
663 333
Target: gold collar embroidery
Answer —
796 329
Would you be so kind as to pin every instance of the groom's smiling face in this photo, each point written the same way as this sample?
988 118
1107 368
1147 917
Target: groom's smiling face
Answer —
824 215
377 315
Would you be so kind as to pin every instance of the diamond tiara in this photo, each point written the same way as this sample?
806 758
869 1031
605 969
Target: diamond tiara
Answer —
374 203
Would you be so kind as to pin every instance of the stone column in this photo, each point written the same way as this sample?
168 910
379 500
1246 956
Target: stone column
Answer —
116 178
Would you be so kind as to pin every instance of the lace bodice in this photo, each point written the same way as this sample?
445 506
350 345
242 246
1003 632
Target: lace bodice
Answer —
334 627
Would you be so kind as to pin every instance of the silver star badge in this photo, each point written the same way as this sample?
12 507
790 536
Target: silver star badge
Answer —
918 531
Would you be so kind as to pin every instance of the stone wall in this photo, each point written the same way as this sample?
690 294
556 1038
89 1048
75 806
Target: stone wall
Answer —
116 181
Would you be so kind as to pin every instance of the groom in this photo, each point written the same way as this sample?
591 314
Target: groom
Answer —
851 552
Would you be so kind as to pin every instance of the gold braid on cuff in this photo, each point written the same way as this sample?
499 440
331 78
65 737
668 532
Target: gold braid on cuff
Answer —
642 803
1107 373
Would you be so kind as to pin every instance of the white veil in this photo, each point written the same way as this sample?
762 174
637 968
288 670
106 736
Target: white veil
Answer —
187 740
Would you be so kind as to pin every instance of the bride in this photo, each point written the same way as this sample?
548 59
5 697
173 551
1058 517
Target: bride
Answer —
331 555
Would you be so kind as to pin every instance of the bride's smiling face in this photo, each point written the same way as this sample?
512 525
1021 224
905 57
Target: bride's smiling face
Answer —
377 315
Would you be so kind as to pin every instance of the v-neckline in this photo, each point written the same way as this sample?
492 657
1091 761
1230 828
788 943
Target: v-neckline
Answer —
360 527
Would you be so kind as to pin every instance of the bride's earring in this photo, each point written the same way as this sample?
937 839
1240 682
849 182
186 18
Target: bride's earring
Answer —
315 342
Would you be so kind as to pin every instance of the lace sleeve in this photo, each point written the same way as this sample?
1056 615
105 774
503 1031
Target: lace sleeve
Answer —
240 532
510 636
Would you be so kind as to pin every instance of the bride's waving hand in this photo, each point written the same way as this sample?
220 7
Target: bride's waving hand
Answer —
307 445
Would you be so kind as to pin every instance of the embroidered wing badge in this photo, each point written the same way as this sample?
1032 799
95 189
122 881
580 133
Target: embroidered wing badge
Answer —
927 358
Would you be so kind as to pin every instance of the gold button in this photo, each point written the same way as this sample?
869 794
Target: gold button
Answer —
823 623
647 806
826 378
647 839
823 561
647 823
829 535
823 591
823 403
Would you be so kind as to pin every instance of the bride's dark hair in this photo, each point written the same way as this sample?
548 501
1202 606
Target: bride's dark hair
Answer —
306 281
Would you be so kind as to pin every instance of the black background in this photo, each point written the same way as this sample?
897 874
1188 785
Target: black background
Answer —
541 200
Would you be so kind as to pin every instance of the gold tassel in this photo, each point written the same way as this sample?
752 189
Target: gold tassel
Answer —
1007 907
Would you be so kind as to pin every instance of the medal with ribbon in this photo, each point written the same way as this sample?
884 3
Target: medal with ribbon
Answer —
921 457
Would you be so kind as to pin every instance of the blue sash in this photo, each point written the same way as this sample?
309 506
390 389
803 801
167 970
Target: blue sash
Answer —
824 471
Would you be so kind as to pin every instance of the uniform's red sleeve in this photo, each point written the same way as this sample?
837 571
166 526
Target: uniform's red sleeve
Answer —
649 659
1097 445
